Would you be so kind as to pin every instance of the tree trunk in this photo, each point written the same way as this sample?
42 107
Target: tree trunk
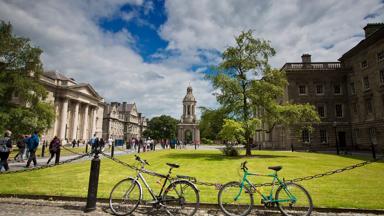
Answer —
248 151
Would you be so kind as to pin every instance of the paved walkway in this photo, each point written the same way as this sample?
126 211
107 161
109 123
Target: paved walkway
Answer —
16 207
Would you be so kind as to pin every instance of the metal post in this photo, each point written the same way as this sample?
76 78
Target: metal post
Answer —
373 151
113 149
292 147
86 147
93 183
337 143
43 149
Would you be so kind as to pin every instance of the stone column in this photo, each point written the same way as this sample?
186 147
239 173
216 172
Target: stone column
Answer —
85 123
63 118
57 119
94 115
75 121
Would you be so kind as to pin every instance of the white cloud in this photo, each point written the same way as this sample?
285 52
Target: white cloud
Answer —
196 31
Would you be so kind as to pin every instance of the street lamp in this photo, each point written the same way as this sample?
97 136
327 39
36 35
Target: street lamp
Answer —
337 143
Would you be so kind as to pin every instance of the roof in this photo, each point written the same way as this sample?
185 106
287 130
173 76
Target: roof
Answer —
371 39
56 75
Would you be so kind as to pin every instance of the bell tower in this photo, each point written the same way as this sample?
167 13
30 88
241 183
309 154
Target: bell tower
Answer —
188 129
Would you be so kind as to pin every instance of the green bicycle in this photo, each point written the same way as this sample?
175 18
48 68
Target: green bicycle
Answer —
236 198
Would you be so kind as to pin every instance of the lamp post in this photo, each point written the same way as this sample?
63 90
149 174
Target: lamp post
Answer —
337 143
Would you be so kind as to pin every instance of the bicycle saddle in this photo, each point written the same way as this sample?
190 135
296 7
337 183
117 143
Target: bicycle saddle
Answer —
173 165
276 168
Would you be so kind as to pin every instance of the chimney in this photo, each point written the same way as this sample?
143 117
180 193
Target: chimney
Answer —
124 106
306 58
370 28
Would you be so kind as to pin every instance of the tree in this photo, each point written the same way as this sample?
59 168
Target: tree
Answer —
211 122
256 103
162 127
22 109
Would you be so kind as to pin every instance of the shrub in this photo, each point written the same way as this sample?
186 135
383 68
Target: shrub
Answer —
206 141
230 150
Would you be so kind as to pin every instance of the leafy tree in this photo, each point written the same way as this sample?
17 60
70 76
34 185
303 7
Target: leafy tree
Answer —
211 122
162 127
253 102
21 95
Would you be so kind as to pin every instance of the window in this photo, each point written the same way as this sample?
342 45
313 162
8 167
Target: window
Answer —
354 107
319 89
364 64
323 136
305 136
337 89
366 82
369 106
353 90
382 76
339 110
372 135
321 110
380 56
302 89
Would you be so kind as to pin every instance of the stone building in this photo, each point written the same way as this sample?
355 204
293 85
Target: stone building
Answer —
78 107
348 95
365 81
122 121
188 129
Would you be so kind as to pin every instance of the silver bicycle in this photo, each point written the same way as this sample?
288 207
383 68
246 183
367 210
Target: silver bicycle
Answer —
181 197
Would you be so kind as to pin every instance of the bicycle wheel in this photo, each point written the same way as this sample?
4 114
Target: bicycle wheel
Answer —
298 201
125 196
181 198
240 207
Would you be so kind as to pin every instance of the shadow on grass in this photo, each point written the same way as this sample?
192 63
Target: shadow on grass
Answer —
366 156
219 157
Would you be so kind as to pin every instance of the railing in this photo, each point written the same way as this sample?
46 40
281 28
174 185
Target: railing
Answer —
312 66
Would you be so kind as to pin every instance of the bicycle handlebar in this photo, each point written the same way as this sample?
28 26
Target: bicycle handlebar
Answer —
244 166
141 160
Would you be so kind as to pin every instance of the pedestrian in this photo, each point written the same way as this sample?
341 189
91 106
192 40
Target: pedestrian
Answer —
94 141
32 143
54 149
110 142
25 141
139 145
73 143
101 144
5 149
21 146
78 143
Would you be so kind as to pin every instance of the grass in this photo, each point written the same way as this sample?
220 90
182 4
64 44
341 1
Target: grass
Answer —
357 188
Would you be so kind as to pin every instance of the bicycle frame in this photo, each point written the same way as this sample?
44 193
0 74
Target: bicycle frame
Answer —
158 197
266 198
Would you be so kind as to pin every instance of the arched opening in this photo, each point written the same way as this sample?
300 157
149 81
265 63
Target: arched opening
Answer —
188 136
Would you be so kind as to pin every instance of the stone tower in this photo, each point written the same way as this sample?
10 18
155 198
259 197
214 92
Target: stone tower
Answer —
188 128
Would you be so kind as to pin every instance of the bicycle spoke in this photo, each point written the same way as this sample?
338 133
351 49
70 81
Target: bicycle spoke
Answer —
294 200
181 199
232 206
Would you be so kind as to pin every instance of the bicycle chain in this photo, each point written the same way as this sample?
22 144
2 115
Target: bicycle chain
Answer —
44 166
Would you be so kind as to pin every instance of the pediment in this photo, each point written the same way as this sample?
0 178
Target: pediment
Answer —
85 89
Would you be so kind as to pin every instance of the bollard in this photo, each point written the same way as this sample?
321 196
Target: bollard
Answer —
373 151
86 148
113 150
292 147
93 183
43 150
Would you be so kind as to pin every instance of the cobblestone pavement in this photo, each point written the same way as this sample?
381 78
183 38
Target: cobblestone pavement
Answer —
16 207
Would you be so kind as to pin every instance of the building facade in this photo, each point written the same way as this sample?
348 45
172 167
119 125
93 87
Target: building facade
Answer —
122 121
188 129
78 108
348 95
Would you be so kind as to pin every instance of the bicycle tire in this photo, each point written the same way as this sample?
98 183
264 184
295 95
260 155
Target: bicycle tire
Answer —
175 201
228 192
120 191
303 207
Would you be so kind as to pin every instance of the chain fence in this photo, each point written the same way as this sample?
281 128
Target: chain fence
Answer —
218 185
71 151
45 166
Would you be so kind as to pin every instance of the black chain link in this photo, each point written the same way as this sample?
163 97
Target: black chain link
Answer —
73 152
44 166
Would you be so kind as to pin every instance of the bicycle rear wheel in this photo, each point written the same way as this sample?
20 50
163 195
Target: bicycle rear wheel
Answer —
181 198
125 196
241 206
297 200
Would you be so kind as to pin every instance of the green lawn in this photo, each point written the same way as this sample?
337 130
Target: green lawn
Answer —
358 188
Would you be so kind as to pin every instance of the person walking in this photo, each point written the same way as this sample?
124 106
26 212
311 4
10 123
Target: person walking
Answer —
32 143
110 142
73 143
5 149
54 149
25 141
101 144
21 146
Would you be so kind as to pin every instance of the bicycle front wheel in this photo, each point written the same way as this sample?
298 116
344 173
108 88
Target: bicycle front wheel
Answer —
125 196
293 199
181 198
234 200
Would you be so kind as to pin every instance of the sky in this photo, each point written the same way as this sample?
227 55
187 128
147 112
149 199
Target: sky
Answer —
150 51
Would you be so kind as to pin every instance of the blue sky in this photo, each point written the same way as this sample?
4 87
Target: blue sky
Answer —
149 51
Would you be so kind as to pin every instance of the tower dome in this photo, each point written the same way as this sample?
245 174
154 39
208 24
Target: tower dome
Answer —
189 96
